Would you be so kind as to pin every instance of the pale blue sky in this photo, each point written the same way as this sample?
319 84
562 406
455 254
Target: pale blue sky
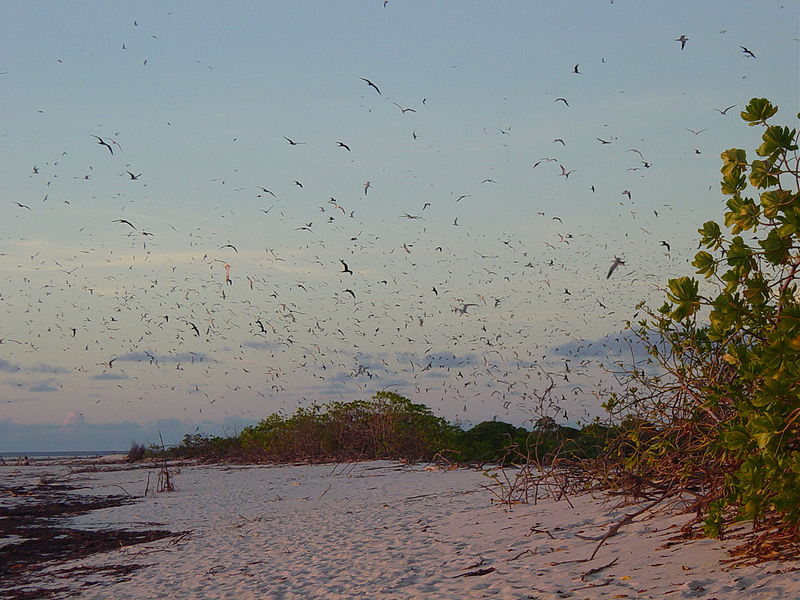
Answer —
198 97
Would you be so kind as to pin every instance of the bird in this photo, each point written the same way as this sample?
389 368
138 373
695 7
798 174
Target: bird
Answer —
23 206
370 84
564 100
698 132
564 173
102 142
724 110
292 142
747 52
462 310
403 110
266 191
575 70
345 268
124 221
367 185
132 176
683 39
665 244
229 246
617 262
343 145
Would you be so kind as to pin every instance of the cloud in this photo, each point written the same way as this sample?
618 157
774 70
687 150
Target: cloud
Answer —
153 358
8 367
109 376
43 387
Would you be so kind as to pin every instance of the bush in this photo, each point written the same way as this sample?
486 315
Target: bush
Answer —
718 407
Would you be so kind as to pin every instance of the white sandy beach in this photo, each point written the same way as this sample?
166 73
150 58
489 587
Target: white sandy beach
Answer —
384 530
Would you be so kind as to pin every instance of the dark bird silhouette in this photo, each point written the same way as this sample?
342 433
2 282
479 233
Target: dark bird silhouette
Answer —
351 292
747 52
23 206
124 221
698 132
343 145
370 84
229 246
345 268
683 39
724 110
665 244
266 191
292 142
575 70
403 110
102 142
564 100
617 262
132 176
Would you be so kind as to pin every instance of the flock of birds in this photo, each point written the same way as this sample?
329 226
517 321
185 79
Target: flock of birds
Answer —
345 301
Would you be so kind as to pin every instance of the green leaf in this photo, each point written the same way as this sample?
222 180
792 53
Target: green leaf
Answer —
775 200
776 248
777 140
734 161
733 184
704 263
735 439
758 111
740 254
711 235
763 174
683 294
743 214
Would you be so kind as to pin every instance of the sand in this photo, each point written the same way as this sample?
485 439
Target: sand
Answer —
383 530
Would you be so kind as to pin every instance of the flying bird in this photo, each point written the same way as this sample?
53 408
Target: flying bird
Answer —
345 268
564 100
747 52
132 176
724 110
564 173
617 262
266 191
370 84
683 39
343 145
575 70
665 244
102 142
229 246
292 142
367 185
124 221
403 110
23 206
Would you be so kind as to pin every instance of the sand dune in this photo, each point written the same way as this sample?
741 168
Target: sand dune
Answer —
384 530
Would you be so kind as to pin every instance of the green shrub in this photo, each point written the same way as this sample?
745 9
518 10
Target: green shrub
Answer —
719 404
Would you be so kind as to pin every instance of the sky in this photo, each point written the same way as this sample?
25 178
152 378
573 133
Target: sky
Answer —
216 211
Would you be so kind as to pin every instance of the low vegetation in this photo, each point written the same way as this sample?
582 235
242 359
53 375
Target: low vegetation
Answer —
388 426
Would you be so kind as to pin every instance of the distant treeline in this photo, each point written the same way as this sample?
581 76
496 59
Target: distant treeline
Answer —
388 426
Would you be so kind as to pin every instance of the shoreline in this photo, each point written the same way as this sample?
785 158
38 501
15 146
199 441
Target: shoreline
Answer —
376 529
